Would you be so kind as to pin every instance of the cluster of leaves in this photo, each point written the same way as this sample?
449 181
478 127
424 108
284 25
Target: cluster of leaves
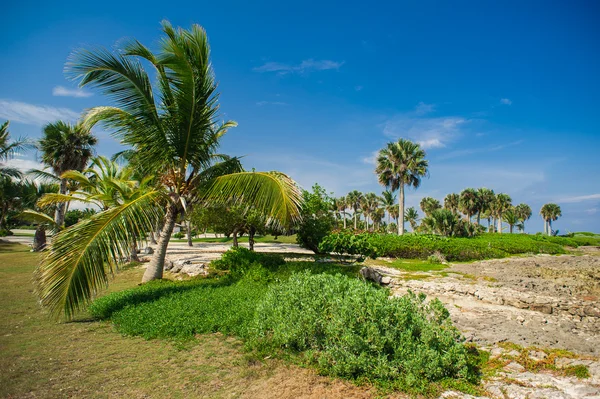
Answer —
317 221
485 246
449 224
75 215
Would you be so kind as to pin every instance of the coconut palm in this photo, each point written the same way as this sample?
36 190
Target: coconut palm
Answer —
429 204
511 217
412 216
468 202
65 146
42 215
354 199
451 202
173 126
486 197
401 164
388 200
550 212
502 204
523 212
441 221
8 149
377 215
341 208
370 203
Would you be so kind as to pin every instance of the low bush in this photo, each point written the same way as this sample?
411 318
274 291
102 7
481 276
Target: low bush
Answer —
178 235
5 233
238 260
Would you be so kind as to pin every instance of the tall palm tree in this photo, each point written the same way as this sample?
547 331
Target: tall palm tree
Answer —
451 202
65 146
341 208
173 126
468 202
388 200
8 149
486 198
511 217
401 164
412 216
502 204
429 204
550 212
354 199
523 212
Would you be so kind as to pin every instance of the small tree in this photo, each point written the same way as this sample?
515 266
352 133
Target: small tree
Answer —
317 221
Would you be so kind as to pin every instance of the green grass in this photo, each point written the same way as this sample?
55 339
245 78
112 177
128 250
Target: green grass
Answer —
264 239
408 265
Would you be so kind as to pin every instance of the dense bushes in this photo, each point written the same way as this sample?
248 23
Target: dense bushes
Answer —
354 330
239 260
484 246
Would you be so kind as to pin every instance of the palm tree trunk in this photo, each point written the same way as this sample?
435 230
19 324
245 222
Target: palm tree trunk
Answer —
478 217
344 220
500 224
355 219
251 233
189 234
235 237
133 255
511 228
549 227
156 265
39 239
387 229
401 211
59 215
152 239
488 225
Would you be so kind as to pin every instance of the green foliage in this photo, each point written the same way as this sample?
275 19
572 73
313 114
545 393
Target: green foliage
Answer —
75 215
485 246
179 235
353 330
317 222
239 260
5 232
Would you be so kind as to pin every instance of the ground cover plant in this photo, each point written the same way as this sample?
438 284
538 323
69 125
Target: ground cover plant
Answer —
318 314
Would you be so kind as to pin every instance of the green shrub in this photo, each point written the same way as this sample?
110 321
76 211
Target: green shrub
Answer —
5 232
178 235
353 330
348 243
239 259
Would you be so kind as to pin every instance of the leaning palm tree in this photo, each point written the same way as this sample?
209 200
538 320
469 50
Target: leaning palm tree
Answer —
468 202
388 200
65 146
412 216
399 164
354 199
486 197
550 212
429 204
451 202
8 149
502 204
523 212
173 126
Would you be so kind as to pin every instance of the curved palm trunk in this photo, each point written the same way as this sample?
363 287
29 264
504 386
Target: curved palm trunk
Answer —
156 265
59 215
39 239
401 211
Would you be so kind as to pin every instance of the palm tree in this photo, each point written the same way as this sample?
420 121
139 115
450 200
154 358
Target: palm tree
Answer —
550 212
429 204
502 204
451 202
64 147
412 216
388 200
173 126
511 217
378 214
523 212
340 207
441 221
369 205
354 199
399 164
468 202
8 149
486 198
40 214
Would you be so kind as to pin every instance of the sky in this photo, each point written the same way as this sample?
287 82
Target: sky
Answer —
503 95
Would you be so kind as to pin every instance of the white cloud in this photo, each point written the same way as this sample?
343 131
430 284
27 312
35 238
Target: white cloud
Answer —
591 211
580 198
62 91
304 67
261 103
429 132
371 159
505 101
31 114
469 151
24 164
423 109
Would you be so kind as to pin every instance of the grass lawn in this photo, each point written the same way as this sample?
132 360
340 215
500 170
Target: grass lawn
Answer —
85 358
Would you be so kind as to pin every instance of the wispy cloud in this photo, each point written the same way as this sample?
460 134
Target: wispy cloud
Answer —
62 91
580 198
305 66
470 151
262 103
506 101
371 159
424 109
31 114
24 165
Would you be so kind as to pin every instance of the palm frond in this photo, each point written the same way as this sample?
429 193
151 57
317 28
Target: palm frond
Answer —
57 198
43 175
11 172
82 257
39 217
273 194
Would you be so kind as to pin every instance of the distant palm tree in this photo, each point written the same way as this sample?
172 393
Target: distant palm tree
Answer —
429 204
40 214
412 216
8 149
388 200
468 202
64 147
523 212
378 214
511 218
341 208
370 204
550 212
354 200
502 204
486 197
441 221
399 164
451 202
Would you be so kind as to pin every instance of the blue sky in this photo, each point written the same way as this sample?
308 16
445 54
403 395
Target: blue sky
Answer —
501 94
